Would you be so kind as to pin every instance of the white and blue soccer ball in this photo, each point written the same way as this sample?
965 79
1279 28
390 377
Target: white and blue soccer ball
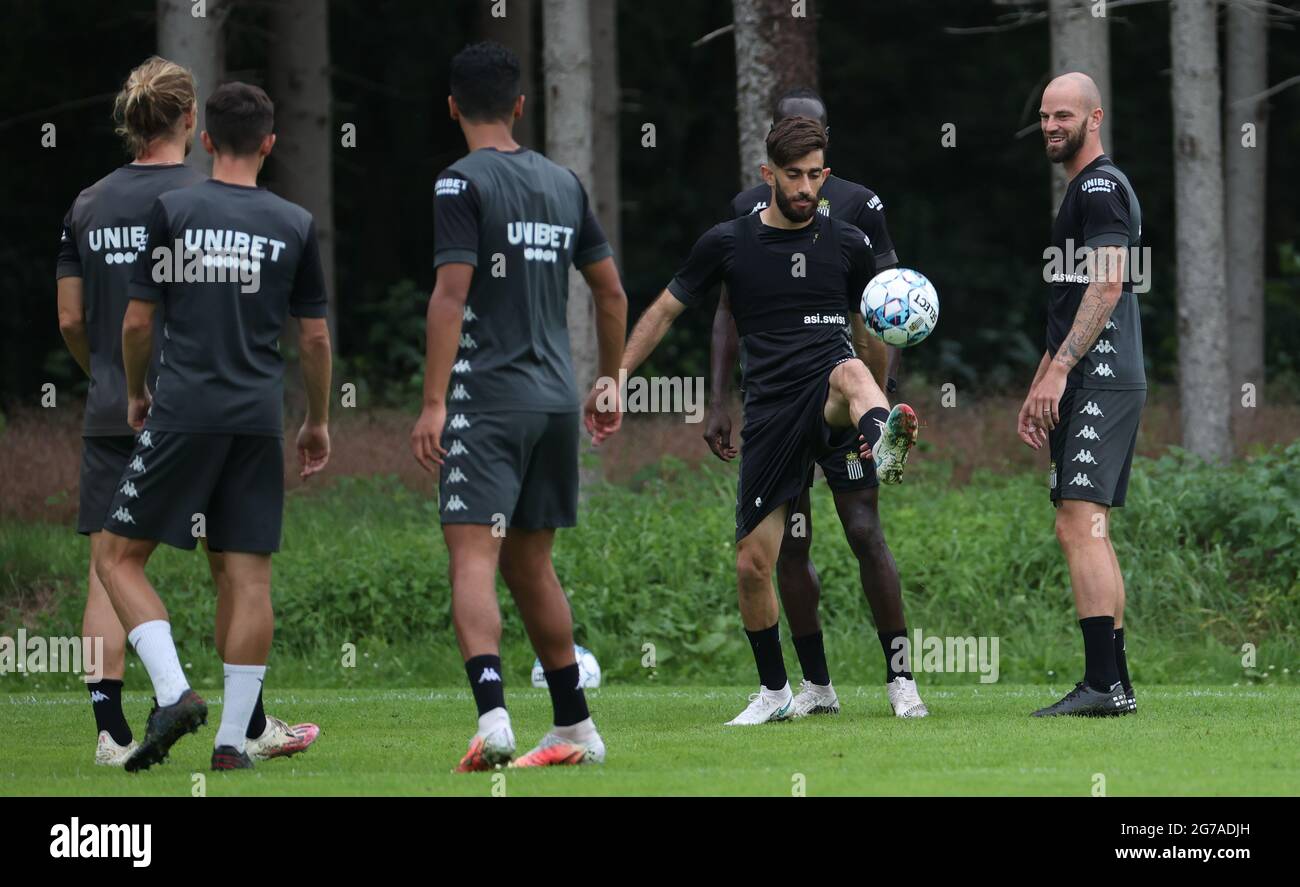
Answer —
900 307
588 669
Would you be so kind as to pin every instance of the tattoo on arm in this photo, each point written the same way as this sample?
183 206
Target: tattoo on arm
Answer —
1094 309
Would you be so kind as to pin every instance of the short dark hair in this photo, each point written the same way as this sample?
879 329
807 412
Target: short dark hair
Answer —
237 117
485 81
792 138
804 94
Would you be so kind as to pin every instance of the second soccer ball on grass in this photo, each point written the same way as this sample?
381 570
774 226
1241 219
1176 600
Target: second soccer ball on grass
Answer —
588 669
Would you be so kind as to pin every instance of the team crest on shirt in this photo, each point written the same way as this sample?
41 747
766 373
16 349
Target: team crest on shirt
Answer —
824 206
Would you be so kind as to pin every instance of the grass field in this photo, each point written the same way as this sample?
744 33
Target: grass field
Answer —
670 741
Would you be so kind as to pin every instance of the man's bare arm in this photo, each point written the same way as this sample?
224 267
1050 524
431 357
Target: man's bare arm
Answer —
724 343
315 354
137 345
650 329
72 321
1099 300
611 313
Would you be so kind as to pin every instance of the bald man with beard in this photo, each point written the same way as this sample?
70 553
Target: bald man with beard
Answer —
1086 399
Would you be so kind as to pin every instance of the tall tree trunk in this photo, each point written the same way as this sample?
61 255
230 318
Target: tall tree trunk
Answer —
300 88
605 132
776 50
1203 373
567 64
513 28
197 42
1245 165
1080 42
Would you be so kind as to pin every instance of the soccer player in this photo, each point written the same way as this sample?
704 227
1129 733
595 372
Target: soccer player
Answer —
103 234
853 482
508 224
225 262
794 278
1087 396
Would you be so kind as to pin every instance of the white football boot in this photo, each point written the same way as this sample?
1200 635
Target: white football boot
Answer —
897 437
765 705
279 740
492 746
905 700
109 754
814 699
555 750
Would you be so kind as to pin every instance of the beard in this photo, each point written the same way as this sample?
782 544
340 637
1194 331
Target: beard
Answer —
788 210
1067 149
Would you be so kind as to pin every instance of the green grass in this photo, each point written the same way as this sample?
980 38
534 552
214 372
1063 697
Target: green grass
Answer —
670 741
1209 556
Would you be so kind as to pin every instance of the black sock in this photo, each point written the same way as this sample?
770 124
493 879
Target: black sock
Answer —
868 425
256 723
1121 661
898 654
812 658
484 673
1099 652
567 699
106 702
766 643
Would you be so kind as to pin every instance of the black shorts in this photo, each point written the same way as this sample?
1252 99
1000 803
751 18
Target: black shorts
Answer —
1092 448
846 471
778 450
510 469
102 461
179 487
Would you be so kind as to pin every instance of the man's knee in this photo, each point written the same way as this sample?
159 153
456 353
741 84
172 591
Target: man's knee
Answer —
115 553
864 536
753 566
1077 522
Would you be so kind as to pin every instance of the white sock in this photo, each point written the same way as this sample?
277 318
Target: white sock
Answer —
153 644
243 683
491 720
584 731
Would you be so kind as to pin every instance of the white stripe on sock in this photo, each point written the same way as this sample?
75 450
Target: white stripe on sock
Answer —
153 644
243 683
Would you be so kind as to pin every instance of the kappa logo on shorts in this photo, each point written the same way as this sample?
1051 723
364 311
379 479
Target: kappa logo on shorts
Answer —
137 464
1111 325
1103 346
129 490
467 341
1087 432
457 448
146 439
1092 409
459 393
458 422
469 314
1084 456
1104 370
854 466
460 366
123 516
454 503
1080 480
456 476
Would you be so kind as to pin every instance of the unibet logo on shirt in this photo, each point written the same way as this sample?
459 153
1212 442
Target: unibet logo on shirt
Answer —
543 241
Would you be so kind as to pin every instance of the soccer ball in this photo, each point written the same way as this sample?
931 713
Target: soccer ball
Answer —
588 669
900 306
